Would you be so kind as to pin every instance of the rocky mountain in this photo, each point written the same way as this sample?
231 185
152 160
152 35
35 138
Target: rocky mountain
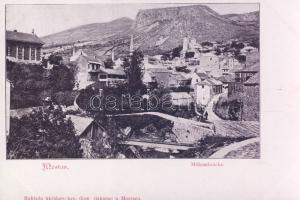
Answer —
165 27
160 29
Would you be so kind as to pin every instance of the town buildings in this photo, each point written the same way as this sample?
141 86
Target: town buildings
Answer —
244 74
91 69
23 47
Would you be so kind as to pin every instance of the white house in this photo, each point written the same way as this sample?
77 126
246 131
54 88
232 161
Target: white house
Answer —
198 77
206 89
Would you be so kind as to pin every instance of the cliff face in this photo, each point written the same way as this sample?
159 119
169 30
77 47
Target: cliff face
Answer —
166 27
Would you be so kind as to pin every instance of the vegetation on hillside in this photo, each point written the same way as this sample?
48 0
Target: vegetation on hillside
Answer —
32 83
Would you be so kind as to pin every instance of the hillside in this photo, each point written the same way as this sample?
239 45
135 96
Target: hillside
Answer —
90 32
251 18
157 30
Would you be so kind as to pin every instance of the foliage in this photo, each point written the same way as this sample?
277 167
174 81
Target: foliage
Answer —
65 98
42 134
241 58
133 69
61 78
237 45
108 63
176 51
31 82
229 108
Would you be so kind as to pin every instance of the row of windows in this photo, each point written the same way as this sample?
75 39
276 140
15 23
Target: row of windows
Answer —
22 52
217 89
94 66
94 76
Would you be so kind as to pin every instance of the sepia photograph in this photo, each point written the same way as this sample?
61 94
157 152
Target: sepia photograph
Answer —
132 81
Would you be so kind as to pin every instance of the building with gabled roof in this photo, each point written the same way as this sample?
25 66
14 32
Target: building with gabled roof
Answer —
247 72
23 47
91 69
206 89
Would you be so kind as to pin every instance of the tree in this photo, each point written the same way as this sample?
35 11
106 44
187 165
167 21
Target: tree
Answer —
133 70
176 51
41 135
62 78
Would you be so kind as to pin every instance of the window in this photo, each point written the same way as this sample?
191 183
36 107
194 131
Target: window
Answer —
102 76
32 57
13 51
38 54
20 52
26 53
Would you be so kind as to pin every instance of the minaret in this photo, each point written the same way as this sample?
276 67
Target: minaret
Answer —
113 55
131 46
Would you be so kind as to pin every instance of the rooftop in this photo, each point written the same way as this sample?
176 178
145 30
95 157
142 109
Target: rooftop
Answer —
23 37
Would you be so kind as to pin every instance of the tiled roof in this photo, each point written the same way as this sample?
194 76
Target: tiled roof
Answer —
23 37
210 81
117 71
80 123
226 78
202 75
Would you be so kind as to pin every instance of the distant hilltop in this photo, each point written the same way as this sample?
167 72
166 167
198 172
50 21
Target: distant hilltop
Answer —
160 29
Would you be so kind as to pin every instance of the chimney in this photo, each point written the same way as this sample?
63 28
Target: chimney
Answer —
32 31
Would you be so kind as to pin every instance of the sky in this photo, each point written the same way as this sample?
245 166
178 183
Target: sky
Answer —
49 19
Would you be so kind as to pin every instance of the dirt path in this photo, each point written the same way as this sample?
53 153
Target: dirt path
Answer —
224 151
211 115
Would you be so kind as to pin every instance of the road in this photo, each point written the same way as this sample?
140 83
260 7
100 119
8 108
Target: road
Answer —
224 151
211 115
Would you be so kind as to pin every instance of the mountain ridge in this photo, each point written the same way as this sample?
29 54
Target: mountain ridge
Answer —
161 29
